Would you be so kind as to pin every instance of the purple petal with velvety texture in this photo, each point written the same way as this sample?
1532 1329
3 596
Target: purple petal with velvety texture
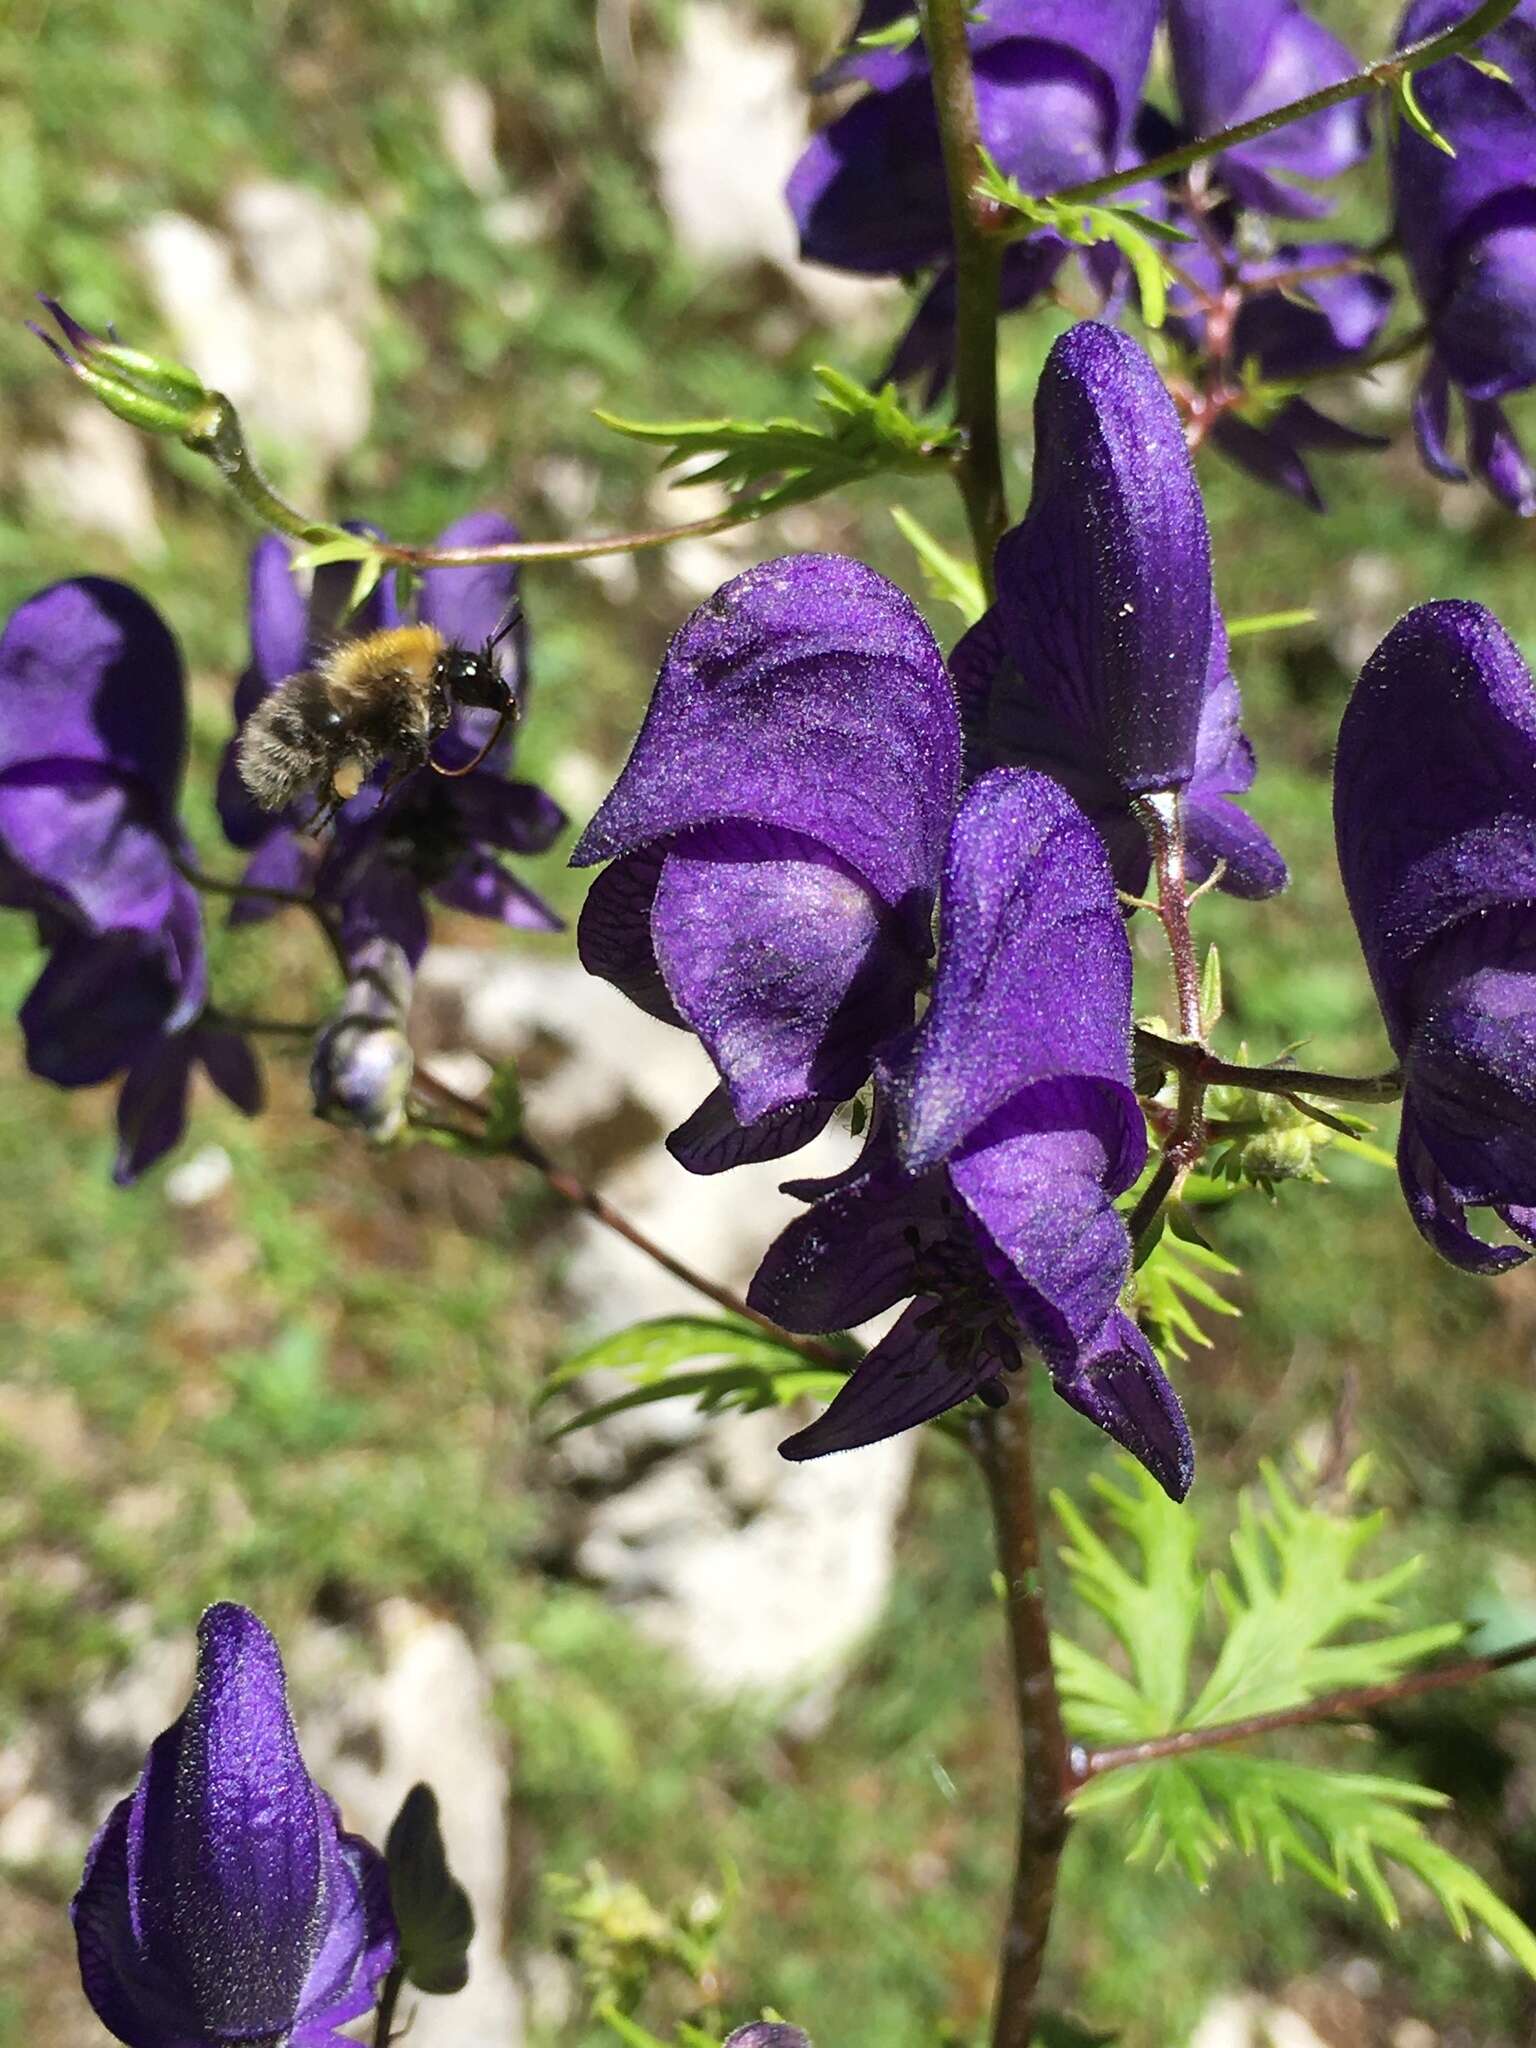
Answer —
1104 589
1119 1385
1034 971
914 1373
807 693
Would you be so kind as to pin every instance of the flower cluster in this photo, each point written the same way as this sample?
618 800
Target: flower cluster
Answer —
1467 224
92 747
790 813
91 752
221 1902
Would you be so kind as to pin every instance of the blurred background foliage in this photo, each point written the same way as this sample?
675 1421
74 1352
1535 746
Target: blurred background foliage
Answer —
333 1383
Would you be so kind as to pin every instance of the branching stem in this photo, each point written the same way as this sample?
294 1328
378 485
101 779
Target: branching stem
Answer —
1386 75
1359 1700
1288 1081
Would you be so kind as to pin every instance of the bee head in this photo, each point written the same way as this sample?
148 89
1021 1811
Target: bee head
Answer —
471 677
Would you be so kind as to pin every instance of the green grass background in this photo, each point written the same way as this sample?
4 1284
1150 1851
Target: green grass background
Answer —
338 1406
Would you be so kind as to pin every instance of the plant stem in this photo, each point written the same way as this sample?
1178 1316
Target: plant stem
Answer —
978 272
1214 1072
384 2016
571 1188
1383 76
1003 1447
1352 1704
567 550
218 435
1161 818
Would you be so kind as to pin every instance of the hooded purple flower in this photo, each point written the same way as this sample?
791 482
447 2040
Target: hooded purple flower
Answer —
1057 83
221 1902
1104 660
1232 63
433 834
1302 330
1467 225
775 840
1008 1125
92 737
1435 811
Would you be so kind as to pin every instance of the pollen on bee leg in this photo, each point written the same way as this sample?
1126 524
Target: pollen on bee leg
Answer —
348 778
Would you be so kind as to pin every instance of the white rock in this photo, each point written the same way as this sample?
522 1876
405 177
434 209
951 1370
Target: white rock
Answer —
1287 2029
732 118
1231 2022
95 477
466 127
200 1178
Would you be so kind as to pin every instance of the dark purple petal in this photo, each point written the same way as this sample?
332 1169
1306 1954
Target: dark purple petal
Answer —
613 933
926 352
90 676
1497 457
1215 830
283 860
1440 1217
1034 973
1119 1385
152 1108
1037 1182
1105 587
99 1005
1471 1065
279 615
782 961
1434 790
468 605
516 817
482 887
1432 423
1268 457
381 899
1318 326
232 1068
768 2033
857 1251
712 1140
807 693
331 615
915 1372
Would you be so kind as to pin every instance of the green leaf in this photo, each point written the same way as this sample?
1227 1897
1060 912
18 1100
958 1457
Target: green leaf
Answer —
431 1907
1135 234
756 1371
950 578
346 547
1210 989
1406 98
1295 1618
769 464
1268 622
1171 1277
504 1124
897 35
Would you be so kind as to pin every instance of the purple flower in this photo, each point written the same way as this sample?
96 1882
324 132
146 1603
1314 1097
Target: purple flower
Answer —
768 2034
362 1066
1467 224
1280 332
92 736
1008 1125
775 841
221 1902
1435 811
1057 83
1104 660
1232 63
433 834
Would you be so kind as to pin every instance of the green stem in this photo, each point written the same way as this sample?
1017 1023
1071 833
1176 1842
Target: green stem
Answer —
389 1997
569 550
1212 1072
1383 76
978 273
218 436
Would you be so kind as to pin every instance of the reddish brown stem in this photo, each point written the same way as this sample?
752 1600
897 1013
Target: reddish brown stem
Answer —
1003 1444
571 1188
1337 1706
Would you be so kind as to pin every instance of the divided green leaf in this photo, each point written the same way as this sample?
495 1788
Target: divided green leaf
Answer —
1135 234
768 464
721 1364
1171 1283
950 579
1294 1617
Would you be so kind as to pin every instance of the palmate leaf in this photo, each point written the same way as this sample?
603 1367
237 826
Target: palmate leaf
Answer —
1176 1278
1294 1617
722 1364
1134 233
770 464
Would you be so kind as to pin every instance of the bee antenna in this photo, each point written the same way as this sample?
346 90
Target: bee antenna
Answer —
511 619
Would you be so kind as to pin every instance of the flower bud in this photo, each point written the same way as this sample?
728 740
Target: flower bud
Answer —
363 1065
161 396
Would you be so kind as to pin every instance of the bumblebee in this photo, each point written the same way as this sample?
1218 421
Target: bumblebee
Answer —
388 696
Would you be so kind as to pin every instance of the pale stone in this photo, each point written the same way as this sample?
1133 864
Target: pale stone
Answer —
466 128
200 1178
1231 2022
95 477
